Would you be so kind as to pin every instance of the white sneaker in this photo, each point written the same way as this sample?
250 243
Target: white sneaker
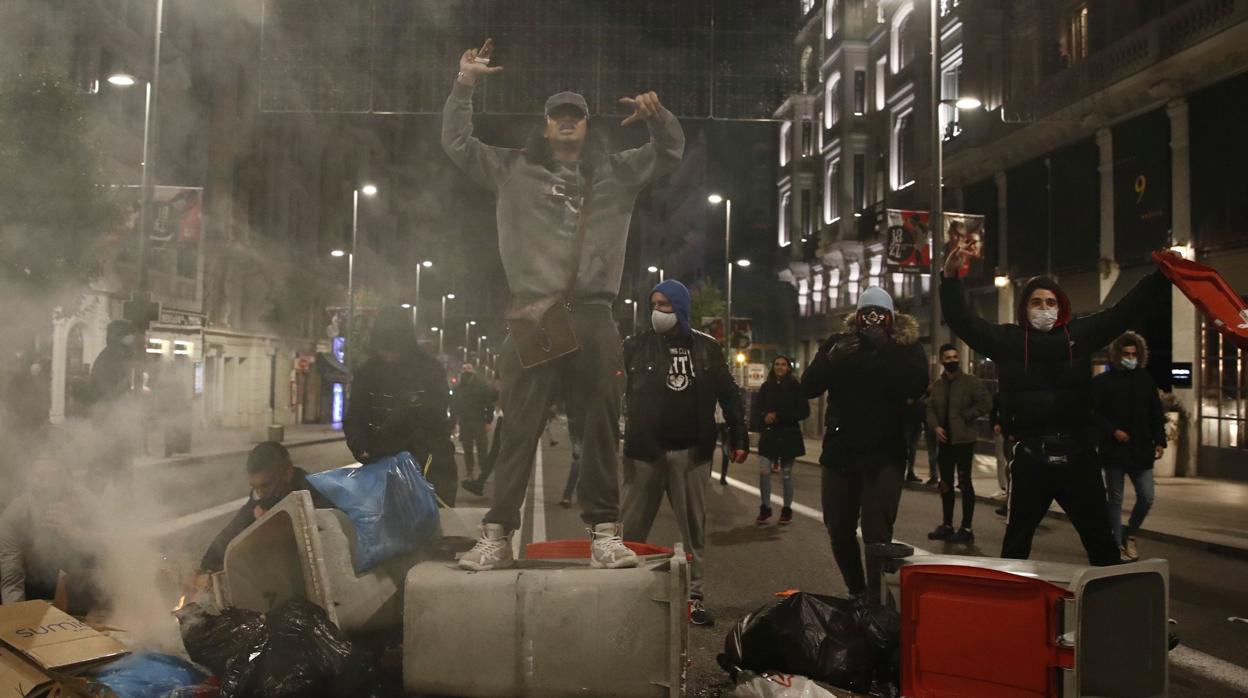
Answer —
492 551
607 549
1000 494
1130 551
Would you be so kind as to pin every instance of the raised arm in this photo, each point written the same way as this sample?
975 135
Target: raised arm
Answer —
485 164
666 147
1099 329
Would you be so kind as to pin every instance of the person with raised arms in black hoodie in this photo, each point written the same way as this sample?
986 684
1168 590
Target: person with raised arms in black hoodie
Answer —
1045 401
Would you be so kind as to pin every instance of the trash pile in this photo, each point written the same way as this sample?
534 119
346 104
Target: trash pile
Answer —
784 648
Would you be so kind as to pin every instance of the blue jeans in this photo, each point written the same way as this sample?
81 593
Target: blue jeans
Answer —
764 480
1142 481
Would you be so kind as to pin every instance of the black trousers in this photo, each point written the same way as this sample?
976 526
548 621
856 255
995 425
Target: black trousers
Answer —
872 495
957 458
1080 491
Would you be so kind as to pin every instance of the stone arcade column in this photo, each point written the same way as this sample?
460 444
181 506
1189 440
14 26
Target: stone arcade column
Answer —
1185 323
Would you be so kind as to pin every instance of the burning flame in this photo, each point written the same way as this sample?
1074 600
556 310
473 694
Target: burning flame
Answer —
181 603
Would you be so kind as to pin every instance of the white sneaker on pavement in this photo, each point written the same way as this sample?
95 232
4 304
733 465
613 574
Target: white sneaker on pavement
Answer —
492 551
607 549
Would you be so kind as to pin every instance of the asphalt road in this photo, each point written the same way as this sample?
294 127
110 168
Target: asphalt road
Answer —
746 564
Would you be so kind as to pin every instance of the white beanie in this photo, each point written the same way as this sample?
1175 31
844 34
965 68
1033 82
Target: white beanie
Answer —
877 297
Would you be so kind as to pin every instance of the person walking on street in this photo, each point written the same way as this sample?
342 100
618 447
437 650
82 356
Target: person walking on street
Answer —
779 409
399 403
1133 434
564 208
870 371
472 409
958 401
675 377
1044 364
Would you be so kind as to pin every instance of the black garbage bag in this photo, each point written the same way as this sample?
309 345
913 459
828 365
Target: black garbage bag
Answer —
303 655
214 640
819 637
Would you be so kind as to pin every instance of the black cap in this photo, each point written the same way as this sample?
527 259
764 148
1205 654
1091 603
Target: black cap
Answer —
573 98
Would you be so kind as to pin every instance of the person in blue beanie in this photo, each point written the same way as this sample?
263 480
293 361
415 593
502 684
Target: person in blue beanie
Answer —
676 377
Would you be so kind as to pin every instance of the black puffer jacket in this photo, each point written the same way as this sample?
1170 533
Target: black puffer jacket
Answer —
781 440
1045 378
1128 400
402 406
646 361
869 396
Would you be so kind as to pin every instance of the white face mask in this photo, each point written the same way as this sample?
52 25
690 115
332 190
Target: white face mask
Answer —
663 322
1043 319
1130 364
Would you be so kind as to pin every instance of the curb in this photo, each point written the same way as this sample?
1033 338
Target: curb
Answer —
1215 548
196 460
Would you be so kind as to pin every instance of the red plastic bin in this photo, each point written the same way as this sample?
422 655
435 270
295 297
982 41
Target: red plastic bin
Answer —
578 549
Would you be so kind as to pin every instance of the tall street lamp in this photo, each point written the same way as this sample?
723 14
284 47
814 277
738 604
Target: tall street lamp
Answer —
715 200
442 331
367 190
425 264
467 326
656 270
629 302
480 339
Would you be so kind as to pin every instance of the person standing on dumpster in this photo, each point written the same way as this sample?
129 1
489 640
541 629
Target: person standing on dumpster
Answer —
564 206
958 401
399 402
676 377
871 371
1133 434
1045 401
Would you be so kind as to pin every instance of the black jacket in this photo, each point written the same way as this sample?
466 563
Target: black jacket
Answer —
869 396
782 439
1045 378
473 404
1128 400
403 407
646 362
111 371
214 558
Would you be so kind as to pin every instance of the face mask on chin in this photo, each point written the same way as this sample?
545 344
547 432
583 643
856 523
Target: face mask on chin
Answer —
662 322
1130 364
1042 319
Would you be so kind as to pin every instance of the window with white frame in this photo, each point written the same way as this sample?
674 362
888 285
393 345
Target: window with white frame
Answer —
831 19
881 75
786 203
832 100
803 297
903 148
831 185
1075 43
901 43
786 143
950 77
816 293
860 92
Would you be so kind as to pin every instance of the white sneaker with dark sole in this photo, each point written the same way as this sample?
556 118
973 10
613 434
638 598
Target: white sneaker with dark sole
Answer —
492 551
607 549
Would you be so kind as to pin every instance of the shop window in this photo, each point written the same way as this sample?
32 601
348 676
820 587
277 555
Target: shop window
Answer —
1224 392
816 293
803 298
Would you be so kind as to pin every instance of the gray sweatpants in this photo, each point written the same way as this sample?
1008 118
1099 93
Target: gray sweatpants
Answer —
679 477
593 377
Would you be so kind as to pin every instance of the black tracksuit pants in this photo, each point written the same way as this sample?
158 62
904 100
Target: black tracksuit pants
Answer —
1080 491
873 495
957 458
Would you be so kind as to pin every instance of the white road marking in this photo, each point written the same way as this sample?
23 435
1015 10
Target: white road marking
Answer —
184 522
539 500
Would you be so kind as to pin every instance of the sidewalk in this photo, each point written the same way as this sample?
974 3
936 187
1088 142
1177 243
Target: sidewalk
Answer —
1200 513
238 441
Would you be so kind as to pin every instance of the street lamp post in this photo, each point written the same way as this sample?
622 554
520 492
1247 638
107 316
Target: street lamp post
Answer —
715 200
629 302
442 326
349 350
656 270
467 325
416 303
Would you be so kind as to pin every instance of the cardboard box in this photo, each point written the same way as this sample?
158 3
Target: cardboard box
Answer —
36 638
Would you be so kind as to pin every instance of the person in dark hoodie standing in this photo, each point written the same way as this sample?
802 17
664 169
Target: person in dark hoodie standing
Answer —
472 410
399 402
676 377
564 206
958 401
1133 434
778 411
871 371
1045 402
114 412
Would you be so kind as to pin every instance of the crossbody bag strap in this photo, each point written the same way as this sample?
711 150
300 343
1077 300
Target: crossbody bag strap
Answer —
578 245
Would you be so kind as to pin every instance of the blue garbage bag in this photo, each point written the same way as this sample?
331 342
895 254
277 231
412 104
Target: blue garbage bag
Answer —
392 506
149 675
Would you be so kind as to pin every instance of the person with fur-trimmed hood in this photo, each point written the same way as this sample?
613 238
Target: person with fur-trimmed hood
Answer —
1044 370
871 371
1133 433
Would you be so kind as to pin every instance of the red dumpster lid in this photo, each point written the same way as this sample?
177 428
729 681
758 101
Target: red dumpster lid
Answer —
1209 292
578 548
971 632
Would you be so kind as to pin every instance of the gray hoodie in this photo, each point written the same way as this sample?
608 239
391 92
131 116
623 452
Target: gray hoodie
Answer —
537 223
